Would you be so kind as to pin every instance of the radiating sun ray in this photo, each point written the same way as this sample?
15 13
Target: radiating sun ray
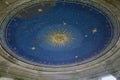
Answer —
59 37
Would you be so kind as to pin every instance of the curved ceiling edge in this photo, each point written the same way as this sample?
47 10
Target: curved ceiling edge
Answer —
68 67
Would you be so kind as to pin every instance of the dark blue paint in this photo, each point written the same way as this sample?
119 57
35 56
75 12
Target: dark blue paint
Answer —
22 32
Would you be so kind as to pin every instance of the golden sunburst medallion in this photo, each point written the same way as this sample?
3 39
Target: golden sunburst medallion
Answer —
59 38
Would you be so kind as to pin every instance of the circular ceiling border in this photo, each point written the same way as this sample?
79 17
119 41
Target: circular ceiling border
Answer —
67 68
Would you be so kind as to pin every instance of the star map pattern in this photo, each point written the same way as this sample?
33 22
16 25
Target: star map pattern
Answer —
61 34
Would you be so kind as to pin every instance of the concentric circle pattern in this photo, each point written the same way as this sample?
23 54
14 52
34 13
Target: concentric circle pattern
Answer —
61 33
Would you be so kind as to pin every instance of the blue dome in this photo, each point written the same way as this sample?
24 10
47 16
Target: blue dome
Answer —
63 33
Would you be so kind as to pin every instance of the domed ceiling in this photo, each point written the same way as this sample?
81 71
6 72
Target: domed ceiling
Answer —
57 33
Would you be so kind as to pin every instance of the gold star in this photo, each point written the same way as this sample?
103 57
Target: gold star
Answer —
33 48
76 56
94 30
64 23
86 35
40 10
